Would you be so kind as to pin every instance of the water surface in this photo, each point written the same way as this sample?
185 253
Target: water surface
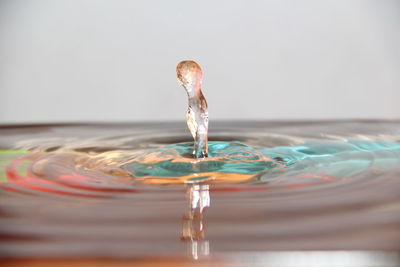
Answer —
88 191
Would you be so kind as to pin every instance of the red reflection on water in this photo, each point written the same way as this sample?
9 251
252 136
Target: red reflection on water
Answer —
68 180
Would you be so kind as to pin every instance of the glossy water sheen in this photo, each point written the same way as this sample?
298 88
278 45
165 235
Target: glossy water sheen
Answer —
336 159
190 76
134 190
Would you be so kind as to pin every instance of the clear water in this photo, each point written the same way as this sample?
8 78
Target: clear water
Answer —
333 159
224 159
135 190
190 76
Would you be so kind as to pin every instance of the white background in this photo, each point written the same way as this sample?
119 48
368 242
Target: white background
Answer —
115 60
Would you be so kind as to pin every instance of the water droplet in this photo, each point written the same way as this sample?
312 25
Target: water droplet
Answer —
190 76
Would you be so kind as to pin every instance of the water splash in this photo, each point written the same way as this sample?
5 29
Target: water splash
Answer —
190 76
227 162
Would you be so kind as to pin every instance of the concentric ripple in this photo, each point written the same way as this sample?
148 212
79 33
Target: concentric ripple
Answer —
134 190
86 168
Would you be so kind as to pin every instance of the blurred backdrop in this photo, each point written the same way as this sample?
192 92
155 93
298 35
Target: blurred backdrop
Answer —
91 60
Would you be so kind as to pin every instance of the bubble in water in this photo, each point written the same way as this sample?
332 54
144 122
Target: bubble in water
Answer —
190 76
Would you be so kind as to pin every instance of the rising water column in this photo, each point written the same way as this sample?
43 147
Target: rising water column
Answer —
190 76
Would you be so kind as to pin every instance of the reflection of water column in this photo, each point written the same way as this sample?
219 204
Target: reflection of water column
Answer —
193 229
